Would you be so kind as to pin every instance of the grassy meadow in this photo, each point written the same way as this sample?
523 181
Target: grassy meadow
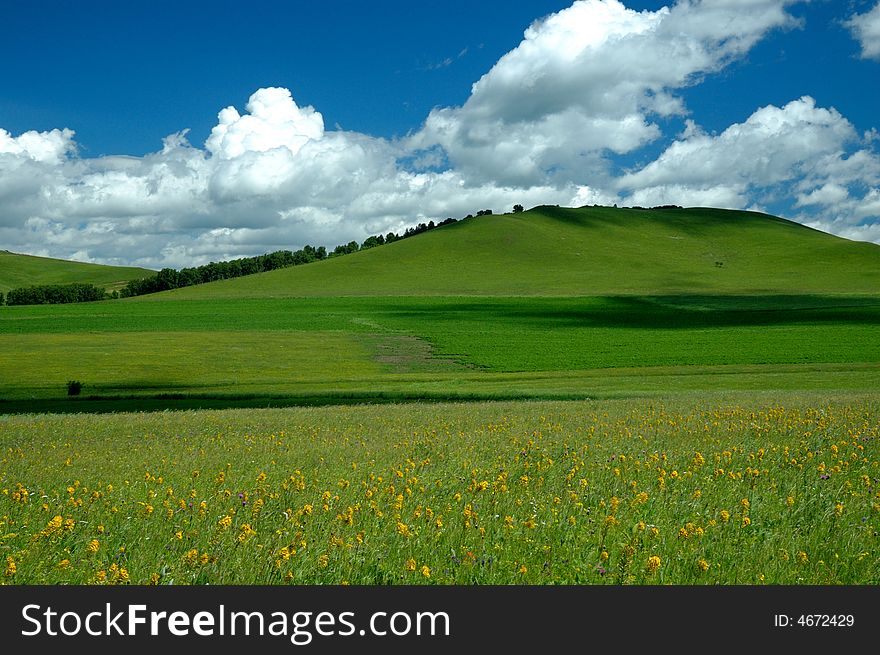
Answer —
437 347
610 397
736 489
26 271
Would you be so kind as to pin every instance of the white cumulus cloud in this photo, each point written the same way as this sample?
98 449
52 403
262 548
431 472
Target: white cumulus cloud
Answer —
588 80
273 121
49 147
866 30
809 154
773 145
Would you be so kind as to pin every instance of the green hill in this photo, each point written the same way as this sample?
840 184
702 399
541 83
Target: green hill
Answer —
27 270
550 303
589 251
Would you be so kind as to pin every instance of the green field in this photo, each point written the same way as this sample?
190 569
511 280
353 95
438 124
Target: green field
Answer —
616 396
549 303
26 271
438 347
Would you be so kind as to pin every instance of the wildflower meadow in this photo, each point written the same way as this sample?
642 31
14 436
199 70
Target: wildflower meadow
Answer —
735 489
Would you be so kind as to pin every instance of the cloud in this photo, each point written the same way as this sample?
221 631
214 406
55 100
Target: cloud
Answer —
48 147
273 121
808 154
865 29
798 149
773 145
826 195
589 80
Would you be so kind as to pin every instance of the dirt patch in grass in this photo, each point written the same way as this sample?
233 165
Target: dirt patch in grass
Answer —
409 354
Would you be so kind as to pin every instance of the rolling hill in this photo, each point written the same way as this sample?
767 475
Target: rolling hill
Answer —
549 303
27 270
589 251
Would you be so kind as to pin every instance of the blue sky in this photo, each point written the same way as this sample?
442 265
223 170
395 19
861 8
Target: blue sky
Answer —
370 120
126 74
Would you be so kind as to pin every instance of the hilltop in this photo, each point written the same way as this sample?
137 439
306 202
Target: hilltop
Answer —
588 251
28 270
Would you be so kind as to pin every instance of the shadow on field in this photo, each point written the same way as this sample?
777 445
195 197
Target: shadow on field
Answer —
659 311
180 402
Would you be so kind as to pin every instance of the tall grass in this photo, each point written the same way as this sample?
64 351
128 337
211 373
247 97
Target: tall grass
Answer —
688 491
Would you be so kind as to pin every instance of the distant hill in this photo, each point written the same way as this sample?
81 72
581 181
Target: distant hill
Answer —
27 270
584 251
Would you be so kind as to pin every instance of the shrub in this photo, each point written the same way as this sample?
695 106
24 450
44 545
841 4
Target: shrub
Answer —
74 387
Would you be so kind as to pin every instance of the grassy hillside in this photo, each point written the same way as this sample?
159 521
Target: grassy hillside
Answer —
551 303
26 271
585 252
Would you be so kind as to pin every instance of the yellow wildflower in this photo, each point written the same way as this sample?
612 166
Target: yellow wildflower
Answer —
245 533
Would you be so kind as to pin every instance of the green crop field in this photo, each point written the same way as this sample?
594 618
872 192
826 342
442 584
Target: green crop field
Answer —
616 396
436 347
27 271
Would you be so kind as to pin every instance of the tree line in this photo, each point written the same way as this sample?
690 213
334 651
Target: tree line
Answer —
52 294
169 278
